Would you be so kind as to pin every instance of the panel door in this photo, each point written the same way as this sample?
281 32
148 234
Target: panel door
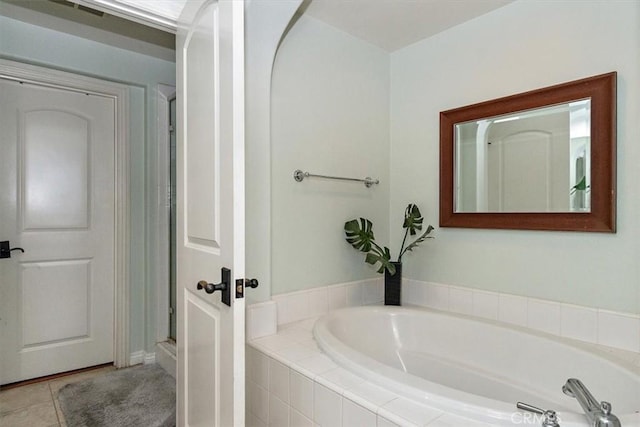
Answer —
210 230
522 158
57 203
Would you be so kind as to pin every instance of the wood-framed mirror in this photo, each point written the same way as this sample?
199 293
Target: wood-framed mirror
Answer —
539 160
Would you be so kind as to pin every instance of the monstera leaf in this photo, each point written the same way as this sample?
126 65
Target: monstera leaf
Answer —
359 234
412 224
412 219
383 257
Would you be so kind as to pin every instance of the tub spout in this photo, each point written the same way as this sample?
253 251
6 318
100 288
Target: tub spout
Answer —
598 413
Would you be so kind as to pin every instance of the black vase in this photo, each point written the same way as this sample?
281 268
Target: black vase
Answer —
393 285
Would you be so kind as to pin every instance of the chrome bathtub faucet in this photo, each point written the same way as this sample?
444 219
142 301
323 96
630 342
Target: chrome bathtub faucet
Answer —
598 413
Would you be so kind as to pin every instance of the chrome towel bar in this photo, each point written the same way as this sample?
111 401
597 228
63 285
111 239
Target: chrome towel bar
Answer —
298 175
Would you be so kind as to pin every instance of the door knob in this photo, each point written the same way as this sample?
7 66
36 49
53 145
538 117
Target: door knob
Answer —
6 249
242 283
211 287
224 286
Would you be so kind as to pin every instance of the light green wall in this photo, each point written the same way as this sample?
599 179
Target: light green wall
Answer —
24 42
522 46
329 115
265 23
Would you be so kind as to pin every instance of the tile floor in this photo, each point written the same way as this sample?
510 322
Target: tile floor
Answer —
36 405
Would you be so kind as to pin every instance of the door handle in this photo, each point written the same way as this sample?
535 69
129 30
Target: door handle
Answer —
251 283
6 249
211 287
224 286
241 284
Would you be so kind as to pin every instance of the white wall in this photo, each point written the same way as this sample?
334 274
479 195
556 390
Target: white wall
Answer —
522 46
330 115
22 41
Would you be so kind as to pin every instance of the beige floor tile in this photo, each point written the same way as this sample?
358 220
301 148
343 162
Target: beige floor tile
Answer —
22 397
39 415
57 384
37 405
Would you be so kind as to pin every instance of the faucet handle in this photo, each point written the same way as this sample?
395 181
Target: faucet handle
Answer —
550 417
606 419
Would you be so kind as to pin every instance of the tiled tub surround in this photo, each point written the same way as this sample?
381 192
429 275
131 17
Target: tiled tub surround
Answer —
608 328
263 318
290 382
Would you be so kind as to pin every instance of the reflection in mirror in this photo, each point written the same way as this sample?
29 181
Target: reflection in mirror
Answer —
539 160
528 161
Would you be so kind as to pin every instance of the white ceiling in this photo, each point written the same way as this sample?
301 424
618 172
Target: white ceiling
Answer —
389 24
393 24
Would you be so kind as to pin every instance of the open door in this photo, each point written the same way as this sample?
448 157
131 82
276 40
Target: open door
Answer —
210 213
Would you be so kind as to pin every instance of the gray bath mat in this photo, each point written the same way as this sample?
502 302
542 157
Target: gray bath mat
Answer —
142 396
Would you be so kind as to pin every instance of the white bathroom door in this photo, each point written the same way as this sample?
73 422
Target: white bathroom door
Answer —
210 213
57 203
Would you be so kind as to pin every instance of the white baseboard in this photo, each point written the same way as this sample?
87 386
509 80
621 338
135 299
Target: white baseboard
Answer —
138 357
166 357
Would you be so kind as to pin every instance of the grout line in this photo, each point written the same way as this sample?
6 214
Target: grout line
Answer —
53 399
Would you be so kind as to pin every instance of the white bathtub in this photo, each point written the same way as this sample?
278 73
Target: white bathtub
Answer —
473 368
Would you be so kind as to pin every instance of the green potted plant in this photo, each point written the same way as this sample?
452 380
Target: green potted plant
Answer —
359 234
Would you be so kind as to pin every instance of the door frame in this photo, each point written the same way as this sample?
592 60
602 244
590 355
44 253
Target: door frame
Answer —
164 95
42 76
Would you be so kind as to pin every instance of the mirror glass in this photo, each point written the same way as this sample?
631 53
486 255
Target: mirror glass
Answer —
537 160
